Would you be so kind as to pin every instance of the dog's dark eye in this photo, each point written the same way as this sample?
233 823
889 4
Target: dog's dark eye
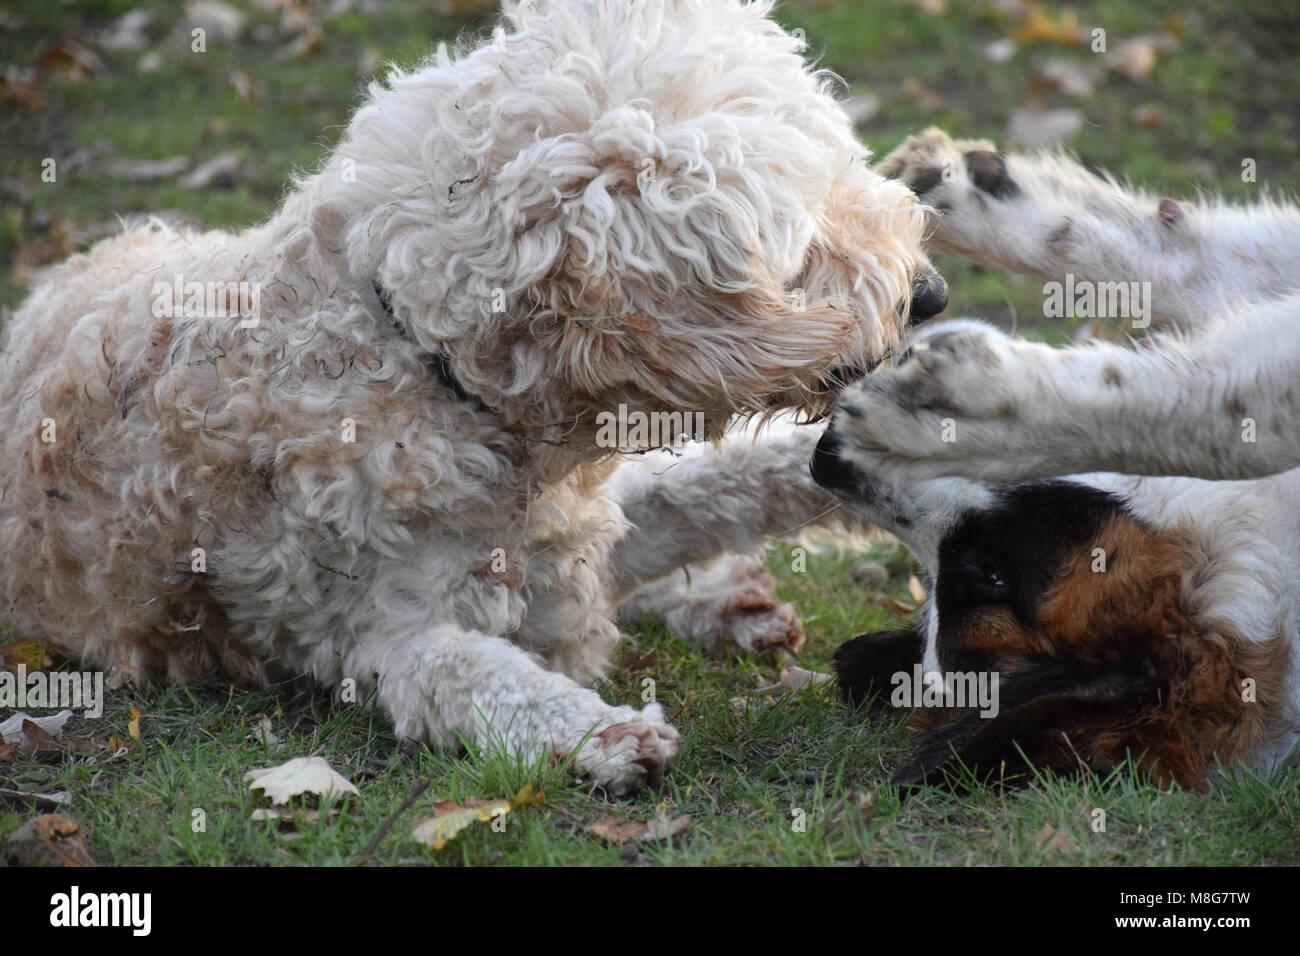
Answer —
993 579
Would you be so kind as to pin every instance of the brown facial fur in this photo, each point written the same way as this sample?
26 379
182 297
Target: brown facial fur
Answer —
1137 605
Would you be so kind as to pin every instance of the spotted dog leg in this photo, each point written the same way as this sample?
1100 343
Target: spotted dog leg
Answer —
1045 215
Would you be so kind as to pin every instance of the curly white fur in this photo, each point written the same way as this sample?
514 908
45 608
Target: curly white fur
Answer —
643 202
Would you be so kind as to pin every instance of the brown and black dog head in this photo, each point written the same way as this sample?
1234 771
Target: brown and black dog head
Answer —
1077 612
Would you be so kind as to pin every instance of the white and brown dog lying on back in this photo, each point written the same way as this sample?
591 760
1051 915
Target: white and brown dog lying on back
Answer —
1150 616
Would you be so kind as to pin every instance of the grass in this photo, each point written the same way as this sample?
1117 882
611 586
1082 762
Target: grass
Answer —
745 777
1226 91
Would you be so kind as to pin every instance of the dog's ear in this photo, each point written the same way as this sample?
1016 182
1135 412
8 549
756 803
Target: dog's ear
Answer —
866 665
1055 713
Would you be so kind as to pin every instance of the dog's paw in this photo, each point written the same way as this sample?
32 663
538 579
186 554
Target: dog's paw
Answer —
753 618
957 403
957 179
631 753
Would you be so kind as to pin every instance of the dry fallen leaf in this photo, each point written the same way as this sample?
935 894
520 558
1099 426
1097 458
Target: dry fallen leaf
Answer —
12 729
133 728
261 731
658 827
450 817
874 573
298 776
48 840
902 608
42 801
1050 841
793 680
37 741
32 652
1041 28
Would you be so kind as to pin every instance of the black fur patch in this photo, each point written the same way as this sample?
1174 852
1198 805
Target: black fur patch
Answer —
1022 542
866 665
1049 708
988 171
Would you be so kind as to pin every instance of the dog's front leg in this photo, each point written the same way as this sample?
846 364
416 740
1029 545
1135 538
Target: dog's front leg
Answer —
970 402
448 685
1045 215
714 500
699 522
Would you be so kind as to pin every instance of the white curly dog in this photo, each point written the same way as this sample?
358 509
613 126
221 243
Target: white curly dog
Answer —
358 442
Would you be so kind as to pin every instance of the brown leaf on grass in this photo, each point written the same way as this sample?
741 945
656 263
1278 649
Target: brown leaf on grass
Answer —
73 59
20 85
1147 116
48 840
247 89
309 41
133 728
1136 57
1036 128
1039 27
1052 841
658 827
874 573
37 741
921 96
1068 76
450 817
11 729
636 661
33 652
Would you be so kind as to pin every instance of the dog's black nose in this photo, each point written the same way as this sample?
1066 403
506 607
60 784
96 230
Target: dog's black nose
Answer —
827 467
929 295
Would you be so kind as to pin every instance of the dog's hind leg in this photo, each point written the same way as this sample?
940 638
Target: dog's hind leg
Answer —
1045 215
727 604
449 685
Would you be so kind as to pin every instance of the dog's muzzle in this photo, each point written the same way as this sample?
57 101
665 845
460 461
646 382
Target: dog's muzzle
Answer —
827 467
841 477
929 295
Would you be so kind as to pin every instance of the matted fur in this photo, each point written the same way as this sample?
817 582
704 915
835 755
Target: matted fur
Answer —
653 203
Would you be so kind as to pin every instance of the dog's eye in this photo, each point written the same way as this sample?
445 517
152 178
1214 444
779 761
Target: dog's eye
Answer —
993 580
